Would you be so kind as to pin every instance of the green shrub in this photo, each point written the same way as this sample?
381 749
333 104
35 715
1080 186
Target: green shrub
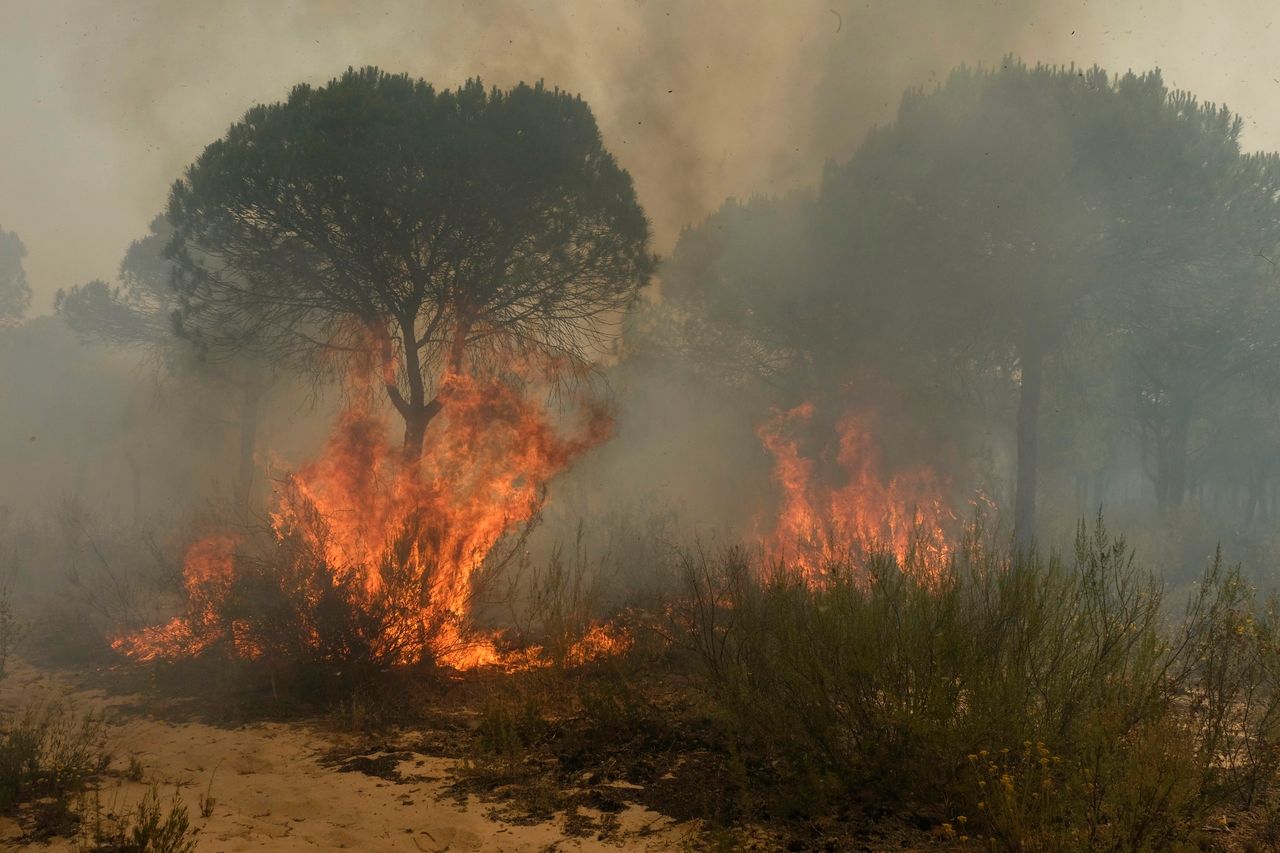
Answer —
1048 702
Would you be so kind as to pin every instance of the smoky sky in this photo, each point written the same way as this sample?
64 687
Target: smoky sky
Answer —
102 104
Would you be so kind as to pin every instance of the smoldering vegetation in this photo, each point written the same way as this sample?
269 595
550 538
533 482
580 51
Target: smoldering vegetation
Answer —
807 534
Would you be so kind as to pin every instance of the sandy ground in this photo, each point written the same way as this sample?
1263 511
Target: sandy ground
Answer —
273 793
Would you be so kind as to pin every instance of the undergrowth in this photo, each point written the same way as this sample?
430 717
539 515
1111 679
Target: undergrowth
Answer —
1023 702
1004 700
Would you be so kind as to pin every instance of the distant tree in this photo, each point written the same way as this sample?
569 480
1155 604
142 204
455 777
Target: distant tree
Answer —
755 300
1010 205
140 310
450 231
1233 458
1208 311
140 313
739 293
15 295
56 418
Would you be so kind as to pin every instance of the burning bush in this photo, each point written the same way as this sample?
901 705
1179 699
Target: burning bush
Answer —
282 600
374 556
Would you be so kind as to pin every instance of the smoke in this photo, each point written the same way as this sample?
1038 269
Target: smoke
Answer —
105 102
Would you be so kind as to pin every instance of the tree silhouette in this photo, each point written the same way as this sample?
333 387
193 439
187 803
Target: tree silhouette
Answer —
443 231
140 313
15 294
1010 205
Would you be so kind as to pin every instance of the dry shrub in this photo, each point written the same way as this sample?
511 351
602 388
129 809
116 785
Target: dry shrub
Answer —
553 604
48 752
11 628
292 609
47 755
106 577
148 827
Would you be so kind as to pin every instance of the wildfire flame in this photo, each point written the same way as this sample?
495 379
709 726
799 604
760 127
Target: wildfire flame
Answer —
820 522
405 536
208 572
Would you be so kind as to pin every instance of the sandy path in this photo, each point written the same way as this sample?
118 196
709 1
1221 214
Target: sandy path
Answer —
273 793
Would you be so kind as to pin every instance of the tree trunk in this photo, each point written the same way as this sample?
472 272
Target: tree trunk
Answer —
1171 464
1256 510
417 410
250 412
416 420
1024 502
1178 460
415 433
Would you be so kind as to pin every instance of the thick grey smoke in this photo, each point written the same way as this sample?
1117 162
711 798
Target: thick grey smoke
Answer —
103 103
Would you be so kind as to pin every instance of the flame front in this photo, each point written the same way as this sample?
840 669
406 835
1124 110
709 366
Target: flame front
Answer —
208 572
820 524
402 538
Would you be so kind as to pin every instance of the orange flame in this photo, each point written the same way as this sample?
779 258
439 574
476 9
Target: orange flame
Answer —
407 537
600 641
208 572
820 525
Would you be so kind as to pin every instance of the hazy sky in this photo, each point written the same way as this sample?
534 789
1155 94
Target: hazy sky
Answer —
103 103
